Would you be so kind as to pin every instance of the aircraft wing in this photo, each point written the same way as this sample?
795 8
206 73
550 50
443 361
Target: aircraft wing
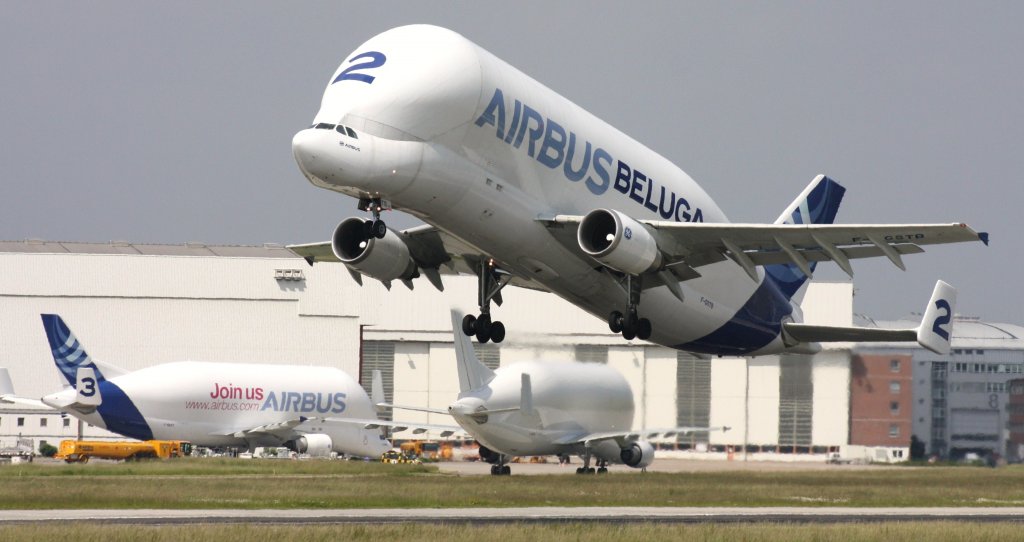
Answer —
434 251
417 428
689 245
623 438
284 430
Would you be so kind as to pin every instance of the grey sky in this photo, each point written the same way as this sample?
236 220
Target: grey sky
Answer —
171 122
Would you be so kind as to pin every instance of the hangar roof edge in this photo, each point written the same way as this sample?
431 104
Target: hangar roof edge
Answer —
38 246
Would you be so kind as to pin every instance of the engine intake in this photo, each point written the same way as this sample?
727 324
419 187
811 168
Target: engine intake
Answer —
619 242
384 259
638 455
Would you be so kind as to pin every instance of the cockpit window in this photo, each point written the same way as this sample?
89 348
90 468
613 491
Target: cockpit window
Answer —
340 129
351 133
324 126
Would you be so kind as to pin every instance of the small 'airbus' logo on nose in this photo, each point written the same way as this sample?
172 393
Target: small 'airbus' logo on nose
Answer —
627 233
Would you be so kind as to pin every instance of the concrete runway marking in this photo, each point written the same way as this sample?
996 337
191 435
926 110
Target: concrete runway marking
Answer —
518 515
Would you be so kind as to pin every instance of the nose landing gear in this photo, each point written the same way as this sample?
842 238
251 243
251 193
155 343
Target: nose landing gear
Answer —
376 227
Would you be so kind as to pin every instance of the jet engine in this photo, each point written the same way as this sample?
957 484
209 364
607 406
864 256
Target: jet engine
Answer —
384 259
638 455
488 455
314 444
619 242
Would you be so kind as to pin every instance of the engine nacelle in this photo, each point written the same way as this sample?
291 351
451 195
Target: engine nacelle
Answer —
383 259
619 242
490 456
314 444
638 455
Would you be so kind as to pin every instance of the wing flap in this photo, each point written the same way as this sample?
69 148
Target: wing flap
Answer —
698 243
417 428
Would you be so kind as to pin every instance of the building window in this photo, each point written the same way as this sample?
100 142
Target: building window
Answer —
67 422
894 365
42 422
894 407
591 353
21 422
894 431
894 387
488 354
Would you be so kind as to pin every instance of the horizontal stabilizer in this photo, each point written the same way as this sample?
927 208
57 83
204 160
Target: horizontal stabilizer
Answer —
934 333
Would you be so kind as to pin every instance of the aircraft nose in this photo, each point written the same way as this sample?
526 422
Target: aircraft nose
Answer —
304 150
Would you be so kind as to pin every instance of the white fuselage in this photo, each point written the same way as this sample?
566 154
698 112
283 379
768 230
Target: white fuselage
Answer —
213 404
452 134
568 400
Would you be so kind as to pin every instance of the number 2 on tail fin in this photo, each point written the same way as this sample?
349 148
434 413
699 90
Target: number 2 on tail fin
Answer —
942 319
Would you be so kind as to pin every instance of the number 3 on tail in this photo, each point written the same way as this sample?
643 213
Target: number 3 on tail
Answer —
943 319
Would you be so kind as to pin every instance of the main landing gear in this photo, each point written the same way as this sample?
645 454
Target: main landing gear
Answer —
491 281
630 325
602 465
376 227
501 470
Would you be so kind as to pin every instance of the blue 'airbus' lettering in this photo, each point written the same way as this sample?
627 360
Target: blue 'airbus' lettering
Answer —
292 401
555 147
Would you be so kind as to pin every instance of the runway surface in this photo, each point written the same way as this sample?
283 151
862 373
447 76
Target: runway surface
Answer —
514 515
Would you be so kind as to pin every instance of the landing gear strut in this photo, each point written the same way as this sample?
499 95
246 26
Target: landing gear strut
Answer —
630 325
587 469
491 281
376 227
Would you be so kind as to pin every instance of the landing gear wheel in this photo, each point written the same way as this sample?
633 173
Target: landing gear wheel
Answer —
506 470
602 470
615 322
469 325
483 328
643 329
378 229
497 332
629 326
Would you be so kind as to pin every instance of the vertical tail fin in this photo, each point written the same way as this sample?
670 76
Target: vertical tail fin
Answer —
472 373
936 329
68 353
817 204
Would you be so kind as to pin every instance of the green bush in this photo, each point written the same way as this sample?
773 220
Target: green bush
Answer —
46 449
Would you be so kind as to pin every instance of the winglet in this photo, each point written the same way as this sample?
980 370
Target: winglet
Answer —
472 373
984 237
6 385
936 328
377 390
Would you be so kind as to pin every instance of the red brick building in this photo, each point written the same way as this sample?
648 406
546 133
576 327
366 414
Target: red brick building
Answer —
881 397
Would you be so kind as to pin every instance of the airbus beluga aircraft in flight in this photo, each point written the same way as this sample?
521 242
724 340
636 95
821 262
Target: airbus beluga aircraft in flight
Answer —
518 185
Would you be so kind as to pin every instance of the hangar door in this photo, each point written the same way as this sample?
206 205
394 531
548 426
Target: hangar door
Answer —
974 424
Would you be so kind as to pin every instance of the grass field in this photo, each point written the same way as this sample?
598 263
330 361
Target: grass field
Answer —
223 483
886 532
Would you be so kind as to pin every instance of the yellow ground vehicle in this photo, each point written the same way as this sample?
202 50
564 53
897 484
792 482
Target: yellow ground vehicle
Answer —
432 451
80 451
393 457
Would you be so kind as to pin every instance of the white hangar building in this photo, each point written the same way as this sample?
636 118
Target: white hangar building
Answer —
136 305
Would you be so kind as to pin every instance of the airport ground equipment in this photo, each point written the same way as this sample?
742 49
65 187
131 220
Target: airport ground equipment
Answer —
80 451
